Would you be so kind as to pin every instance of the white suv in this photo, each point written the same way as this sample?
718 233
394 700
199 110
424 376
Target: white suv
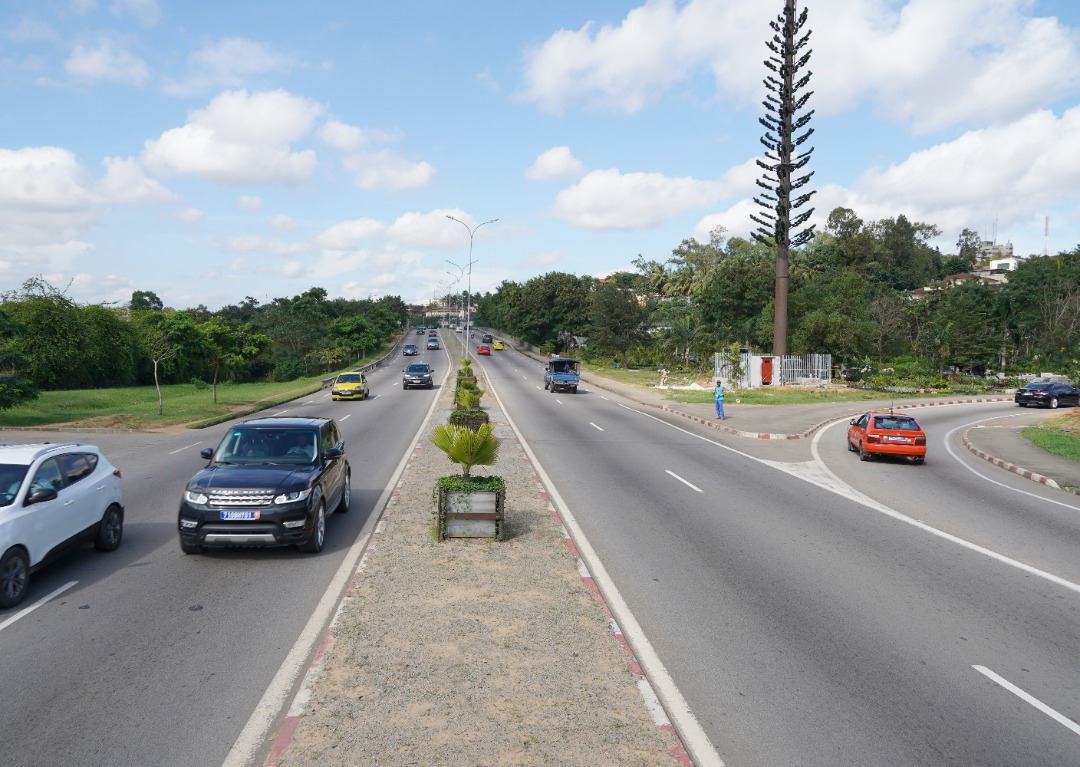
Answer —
52 499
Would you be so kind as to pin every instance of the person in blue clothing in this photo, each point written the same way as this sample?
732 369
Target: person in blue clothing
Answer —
718 395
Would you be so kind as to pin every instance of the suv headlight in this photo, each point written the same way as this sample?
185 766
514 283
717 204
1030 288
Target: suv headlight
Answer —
196 497
293 497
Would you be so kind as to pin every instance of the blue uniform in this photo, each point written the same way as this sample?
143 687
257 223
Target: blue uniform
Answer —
719 397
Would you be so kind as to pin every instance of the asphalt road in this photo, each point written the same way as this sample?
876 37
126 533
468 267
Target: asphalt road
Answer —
814 609
154 657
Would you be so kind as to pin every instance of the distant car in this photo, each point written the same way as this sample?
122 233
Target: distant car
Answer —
1047 394
486 338
418 375
433 343
886 433
53 498
483 349
409 350
349 386
269 482
419 331
432 333
498 346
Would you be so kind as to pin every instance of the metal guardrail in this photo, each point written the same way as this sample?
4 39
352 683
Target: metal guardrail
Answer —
392 354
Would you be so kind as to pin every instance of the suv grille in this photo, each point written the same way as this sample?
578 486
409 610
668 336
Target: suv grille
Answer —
241 497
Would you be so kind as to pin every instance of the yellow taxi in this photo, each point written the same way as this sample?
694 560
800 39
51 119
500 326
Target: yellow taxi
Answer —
498 345
349 386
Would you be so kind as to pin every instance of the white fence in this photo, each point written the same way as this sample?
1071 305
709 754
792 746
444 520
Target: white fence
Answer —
756 370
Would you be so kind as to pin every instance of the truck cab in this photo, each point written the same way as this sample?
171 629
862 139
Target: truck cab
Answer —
561 374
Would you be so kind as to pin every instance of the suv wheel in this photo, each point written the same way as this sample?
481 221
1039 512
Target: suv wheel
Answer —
14 577
346 493
314 544
111 530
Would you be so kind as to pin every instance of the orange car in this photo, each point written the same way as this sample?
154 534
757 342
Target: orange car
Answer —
886 433
483 349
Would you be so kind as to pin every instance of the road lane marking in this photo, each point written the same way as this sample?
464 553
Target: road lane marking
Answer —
950 451
182 449
1060 719
688 484
817 473
27 610
345 417
595 426
558 400
255 737
690 731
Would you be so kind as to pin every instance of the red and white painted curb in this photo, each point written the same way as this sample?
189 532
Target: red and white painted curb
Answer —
807 432
1025 473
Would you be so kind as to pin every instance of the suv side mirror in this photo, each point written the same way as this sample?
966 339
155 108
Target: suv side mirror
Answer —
40 496
207 453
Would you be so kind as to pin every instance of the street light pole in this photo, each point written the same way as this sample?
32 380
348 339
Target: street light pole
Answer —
468 297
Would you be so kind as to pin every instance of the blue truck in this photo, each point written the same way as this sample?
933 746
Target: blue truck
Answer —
561 374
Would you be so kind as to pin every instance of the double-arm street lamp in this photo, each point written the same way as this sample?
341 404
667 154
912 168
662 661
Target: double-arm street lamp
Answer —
468 297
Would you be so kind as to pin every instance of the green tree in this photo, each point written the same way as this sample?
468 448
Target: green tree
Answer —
14 386
229 346
157 345
145 300
617 321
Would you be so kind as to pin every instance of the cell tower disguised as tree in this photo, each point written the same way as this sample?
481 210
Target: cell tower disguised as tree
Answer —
784 102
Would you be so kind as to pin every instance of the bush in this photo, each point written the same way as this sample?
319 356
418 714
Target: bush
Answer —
199 384
287 370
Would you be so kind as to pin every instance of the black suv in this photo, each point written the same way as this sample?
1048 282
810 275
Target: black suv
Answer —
418 374
269 483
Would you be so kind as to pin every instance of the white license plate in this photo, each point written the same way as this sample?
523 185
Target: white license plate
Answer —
894 438
239 515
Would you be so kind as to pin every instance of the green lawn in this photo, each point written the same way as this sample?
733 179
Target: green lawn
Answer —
1060 436
137 407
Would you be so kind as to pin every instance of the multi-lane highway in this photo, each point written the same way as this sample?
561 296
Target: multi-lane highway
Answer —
815 609
810 608
154 657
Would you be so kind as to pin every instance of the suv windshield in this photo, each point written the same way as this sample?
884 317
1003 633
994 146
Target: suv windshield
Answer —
299 446
417 369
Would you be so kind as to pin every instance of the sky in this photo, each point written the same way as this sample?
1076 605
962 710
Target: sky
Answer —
209 152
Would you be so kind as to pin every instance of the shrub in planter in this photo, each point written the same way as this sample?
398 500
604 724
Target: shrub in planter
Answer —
467 506
472 419
469 399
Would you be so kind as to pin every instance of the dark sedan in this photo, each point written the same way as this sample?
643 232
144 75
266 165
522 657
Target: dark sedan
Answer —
1047 394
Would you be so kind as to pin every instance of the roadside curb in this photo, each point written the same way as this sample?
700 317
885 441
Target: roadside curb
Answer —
1025 473
809 431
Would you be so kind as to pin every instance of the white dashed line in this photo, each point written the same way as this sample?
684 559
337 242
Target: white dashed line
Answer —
689 485
24 612
1063 720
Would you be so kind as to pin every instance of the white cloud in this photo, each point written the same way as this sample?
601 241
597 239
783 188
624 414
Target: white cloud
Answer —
125 181
608 199
263 246
46 197
146 12
555 163
249 202
387 171
283 223
975 60
342 136
240 138
190 215
105 61
229 63
348 235
31 30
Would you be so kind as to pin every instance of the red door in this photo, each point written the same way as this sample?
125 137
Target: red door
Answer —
766 371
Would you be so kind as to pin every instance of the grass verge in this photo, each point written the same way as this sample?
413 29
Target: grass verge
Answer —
1060 436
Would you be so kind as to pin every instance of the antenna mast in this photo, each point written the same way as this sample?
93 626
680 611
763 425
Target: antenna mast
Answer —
1046 237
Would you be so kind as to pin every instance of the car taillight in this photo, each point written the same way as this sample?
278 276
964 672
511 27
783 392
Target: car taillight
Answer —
920 440
873 438
116 473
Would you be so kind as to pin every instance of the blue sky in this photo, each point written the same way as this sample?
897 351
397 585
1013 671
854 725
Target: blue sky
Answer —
213 151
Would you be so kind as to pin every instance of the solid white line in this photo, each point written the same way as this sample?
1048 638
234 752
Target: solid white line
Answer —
180 450
345 417
690 730
692 487
949 449
253 739
824 478
27 610
1060 719
558 400
595 426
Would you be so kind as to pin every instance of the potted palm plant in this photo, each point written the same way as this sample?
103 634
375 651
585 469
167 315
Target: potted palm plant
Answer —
468 506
